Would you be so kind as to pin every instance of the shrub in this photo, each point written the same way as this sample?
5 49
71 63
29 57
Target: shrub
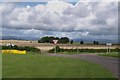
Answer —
58 49
27 48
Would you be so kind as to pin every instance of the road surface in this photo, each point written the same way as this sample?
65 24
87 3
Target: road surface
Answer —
109 63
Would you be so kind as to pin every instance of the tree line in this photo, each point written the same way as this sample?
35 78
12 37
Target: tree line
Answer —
61 50
50 39
63 40
27 48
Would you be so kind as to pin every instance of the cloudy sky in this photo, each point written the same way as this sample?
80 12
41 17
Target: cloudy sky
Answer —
76 20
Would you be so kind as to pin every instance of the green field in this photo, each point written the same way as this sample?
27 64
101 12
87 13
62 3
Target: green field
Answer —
43 66
0 65
113 54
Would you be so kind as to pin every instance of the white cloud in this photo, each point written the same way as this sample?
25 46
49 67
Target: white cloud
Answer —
5 8
85 18
57 6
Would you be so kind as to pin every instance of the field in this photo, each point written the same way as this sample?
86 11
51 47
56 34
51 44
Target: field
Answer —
117 55
47 46
43 66
0 65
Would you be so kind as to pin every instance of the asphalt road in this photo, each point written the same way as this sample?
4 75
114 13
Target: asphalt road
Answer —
109 63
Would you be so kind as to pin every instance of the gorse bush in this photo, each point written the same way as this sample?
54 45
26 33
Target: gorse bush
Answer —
27 48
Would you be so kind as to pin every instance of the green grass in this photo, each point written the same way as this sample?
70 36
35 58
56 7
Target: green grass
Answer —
43 66
76 53
114 54
0 65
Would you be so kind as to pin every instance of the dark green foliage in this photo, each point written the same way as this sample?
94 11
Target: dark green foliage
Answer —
27 48
64 40
58 49
83 50
50 39
81 42
117 49
45 39
95 42
71 42
39 41
0 47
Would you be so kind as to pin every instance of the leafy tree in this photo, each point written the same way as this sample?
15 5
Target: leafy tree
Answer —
39 41
71 42
64 40
95 42
50 39
58 49
81 42
44 40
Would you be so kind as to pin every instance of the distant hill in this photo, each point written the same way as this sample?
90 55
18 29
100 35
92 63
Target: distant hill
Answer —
10 38
17 38
103 41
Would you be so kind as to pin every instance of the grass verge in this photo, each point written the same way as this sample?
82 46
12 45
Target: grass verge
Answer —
43 66
114 54
0 66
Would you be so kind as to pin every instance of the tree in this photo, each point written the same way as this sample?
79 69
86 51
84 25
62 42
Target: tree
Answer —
57 38
57 49
50 39
64 40
95 42
39 41
81 42
71 42
44 40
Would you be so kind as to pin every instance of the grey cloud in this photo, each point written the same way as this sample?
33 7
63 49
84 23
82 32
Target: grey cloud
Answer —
37 34
95 18
78 10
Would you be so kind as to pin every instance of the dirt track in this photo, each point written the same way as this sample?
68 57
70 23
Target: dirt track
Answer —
108 62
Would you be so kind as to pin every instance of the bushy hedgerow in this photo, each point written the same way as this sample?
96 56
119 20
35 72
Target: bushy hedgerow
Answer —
58 49
27 48
0 47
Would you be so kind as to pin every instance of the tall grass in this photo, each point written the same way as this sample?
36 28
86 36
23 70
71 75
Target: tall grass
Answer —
113 54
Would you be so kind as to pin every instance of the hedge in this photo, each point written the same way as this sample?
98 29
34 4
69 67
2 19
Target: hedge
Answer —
27 48
58 50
